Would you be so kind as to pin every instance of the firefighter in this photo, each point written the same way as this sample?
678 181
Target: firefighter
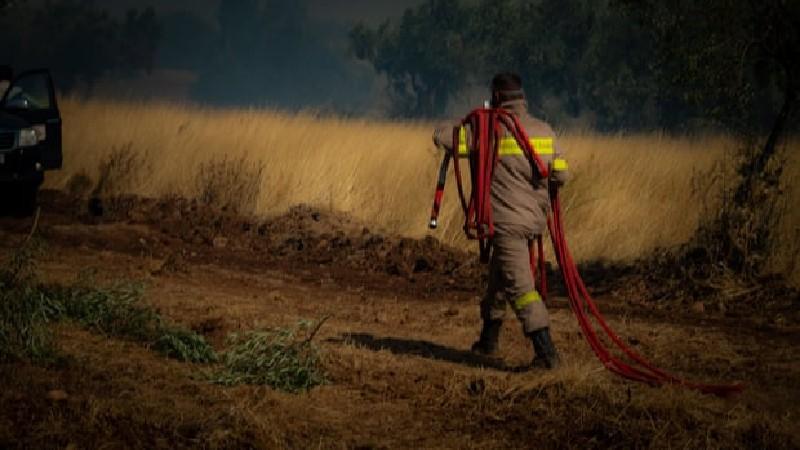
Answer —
520 204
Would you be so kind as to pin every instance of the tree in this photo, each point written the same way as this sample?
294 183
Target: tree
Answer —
730 56
740 62
5 4
78 41
426 57
618 64
579 58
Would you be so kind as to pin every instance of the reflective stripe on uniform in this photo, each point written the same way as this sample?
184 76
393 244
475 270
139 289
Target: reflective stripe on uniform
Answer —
531 297
462 141
509 147
560 164
542 146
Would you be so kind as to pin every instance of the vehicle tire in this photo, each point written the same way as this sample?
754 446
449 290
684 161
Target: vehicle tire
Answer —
27 197
19 198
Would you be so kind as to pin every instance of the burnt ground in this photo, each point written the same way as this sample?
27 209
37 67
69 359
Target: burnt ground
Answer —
403 315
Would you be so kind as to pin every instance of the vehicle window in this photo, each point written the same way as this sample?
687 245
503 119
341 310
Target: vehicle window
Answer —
30 92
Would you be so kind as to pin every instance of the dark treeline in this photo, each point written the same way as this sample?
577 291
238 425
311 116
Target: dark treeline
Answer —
251 53
77 40
611 64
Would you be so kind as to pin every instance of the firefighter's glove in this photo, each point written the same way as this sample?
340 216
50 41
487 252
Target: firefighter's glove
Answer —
437 137
559 171
443 137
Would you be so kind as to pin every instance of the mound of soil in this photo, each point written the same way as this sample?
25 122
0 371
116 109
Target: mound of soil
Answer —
302 235
175 229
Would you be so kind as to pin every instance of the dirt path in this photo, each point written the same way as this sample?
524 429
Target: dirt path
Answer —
396 354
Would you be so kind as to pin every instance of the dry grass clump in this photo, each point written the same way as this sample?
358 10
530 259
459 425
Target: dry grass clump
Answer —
630 193
230 184
731 256
121 171
580 405
574 408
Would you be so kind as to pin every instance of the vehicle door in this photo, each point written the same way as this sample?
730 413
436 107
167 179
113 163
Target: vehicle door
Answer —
32 97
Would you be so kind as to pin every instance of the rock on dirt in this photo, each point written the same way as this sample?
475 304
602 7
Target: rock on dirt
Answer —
219 242
699 307
57 395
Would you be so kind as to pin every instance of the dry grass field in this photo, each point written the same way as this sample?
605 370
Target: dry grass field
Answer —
219 249
630 193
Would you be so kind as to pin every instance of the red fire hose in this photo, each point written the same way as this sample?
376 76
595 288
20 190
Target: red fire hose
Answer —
486 127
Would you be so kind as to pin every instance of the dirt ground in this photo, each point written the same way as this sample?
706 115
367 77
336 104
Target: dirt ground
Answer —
396 348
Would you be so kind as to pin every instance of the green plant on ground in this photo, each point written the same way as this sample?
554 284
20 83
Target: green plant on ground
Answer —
24 317
27 307
118 311
282 358
24 309
184 345
114 310
20 267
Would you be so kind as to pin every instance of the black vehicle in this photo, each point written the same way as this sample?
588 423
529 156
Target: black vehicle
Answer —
30 136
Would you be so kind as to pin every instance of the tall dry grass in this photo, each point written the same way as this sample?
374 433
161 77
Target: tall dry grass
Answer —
629 194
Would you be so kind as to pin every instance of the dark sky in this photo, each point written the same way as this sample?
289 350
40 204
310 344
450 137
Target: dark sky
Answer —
337 11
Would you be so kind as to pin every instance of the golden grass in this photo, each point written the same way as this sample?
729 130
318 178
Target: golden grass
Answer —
629 194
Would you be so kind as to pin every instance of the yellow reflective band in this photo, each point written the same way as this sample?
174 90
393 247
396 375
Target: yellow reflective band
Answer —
462 141
560 164
526 300
509 147
542 146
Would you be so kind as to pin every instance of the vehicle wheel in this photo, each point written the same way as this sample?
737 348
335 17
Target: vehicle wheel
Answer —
25 198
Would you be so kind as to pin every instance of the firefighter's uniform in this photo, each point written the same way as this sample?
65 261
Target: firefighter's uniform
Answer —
520 204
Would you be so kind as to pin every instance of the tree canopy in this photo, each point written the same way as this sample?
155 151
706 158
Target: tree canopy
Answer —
740 59
609 64
79 41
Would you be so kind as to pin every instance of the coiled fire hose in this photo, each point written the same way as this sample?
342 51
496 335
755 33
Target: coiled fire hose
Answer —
486 127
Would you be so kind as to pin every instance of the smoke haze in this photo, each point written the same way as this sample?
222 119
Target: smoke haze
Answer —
289 55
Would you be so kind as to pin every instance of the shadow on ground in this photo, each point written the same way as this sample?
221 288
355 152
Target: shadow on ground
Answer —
425 349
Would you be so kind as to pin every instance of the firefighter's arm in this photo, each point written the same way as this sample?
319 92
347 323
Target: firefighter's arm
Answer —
443 137
559 168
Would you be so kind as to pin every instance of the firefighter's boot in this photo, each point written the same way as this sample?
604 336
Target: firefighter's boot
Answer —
490 333
546 356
